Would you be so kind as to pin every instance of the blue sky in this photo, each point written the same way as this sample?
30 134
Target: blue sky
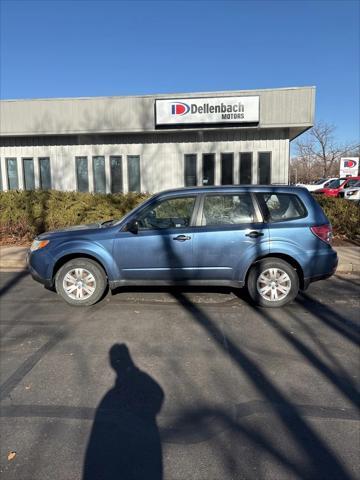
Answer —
89 48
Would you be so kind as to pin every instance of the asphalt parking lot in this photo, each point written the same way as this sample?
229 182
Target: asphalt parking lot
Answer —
179 384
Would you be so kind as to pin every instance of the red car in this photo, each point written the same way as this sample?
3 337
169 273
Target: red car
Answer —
337 186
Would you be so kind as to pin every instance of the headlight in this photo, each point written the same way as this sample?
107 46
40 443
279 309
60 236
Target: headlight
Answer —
350 193
37 244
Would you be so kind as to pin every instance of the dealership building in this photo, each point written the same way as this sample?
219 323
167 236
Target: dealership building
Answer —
153 142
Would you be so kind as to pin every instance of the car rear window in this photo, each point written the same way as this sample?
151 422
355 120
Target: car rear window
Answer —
281 206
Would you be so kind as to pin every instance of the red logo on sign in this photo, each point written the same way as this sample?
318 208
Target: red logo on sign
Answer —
179 108
349 163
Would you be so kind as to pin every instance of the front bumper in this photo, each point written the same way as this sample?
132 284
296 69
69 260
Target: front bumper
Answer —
36 269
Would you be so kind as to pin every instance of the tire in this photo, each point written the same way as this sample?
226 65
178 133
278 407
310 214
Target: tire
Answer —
88 279
264 276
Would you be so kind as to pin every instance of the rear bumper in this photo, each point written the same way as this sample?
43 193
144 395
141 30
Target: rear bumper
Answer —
332 263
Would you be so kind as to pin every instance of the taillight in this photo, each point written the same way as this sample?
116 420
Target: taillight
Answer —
324 232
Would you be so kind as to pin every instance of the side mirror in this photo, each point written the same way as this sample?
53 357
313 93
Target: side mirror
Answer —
132 226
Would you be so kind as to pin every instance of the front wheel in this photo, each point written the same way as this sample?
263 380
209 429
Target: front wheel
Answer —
81 282
272 282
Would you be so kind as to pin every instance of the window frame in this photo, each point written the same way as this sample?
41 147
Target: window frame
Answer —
266 212
251 167
93 172
128 172
7 172
258 217
213 154
23 161
221 167
258 167
196 169
111 174
50 172
76 174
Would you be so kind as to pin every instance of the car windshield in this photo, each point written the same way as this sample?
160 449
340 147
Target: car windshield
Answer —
319 182
336 183
128 214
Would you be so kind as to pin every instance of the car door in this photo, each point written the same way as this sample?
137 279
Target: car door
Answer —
162 248
229 236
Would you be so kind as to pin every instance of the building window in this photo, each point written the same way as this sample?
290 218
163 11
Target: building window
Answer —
29 177
82 174
227 168
264 168
99 174
1 181
133 163
245 170
190 170
208 168
116 174
12 173
45 173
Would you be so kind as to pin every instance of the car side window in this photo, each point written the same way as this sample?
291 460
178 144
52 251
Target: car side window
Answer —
168 213
228 209
351 183
281 206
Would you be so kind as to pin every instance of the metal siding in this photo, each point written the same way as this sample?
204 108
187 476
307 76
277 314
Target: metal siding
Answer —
278 107
162 164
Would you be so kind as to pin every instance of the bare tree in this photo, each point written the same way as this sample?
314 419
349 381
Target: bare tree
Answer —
318 153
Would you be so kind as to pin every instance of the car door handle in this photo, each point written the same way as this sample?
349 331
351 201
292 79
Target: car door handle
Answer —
182 238
254 234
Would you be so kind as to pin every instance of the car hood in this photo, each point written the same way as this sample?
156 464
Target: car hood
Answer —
73 231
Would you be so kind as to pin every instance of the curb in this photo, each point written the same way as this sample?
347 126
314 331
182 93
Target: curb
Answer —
347 268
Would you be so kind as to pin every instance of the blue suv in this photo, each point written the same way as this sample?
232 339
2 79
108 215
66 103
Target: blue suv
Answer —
274 240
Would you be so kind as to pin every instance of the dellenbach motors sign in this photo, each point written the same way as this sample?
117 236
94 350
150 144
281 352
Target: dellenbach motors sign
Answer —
187 111
349 166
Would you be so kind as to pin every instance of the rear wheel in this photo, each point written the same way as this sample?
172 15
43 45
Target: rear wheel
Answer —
81 282
272 282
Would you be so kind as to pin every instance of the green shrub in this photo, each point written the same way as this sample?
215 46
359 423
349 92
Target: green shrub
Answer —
25 214
344 216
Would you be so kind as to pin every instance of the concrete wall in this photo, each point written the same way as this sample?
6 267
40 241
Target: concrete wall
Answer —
161 156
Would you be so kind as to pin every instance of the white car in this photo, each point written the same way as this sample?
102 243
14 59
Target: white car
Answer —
322 183
353 193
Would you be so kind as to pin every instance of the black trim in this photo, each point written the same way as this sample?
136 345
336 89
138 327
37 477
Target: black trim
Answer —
168 283
185 126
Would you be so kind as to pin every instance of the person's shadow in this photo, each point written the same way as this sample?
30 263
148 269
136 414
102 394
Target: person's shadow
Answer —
125 441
